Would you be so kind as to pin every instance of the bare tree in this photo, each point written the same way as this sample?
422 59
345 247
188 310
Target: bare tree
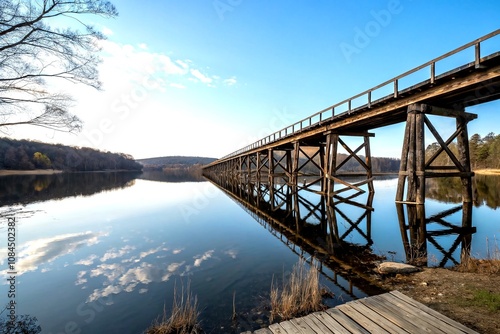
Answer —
34 52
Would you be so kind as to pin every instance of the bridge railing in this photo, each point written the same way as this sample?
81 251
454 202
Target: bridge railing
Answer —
348 105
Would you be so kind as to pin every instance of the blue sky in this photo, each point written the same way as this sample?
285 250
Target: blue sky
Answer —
208 77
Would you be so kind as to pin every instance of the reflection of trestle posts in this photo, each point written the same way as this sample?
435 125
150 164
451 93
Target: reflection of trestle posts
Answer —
280 233
417 234
416 167
301 220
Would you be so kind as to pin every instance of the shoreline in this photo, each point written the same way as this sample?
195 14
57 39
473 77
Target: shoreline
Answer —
487 171
4 172
7 172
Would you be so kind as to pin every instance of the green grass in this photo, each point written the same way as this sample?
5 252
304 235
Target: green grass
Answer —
487 299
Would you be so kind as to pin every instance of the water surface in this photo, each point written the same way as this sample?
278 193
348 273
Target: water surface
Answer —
102 252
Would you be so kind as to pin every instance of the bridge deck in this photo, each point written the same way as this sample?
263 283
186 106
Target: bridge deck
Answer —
391 312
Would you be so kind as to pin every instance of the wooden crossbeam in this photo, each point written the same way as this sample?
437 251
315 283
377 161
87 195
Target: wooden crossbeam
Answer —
444 145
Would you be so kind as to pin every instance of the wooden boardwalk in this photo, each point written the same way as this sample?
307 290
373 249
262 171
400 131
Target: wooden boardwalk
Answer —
391 312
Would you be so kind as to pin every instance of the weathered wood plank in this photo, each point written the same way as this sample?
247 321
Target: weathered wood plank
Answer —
391 312
330 322
290 328
398 316
378 318
346 322
302 326
361 319
316 325
432 312
263 331
423 315
277 329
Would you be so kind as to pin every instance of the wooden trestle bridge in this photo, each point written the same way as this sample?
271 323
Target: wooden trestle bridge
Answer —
309 147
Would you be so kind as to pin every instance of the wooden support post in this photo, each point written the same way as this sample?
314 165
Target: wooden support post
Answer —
258 167
467 238
368 162
270 159
464 157
420 158
294 169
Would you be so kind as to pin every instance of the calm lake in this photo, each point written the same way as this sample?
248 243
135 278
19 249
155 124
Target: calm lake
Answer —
102 252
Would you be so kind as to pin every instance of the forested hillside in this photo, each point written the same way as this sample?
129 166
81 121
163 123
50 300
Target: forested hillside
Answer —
173 161
28 155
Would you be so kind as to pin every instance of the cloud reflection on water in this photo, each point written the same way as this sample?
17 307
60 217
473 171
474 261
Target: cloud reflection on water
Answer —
126 275
42 251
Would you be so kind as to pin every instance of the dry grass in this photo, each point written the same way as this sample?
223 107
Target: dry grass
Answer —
489 265
184 317
300 294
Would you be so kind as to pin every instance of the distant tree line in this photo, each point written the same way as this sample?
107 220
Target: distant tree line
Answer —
484 152
174 168
379 165
29 155
160 163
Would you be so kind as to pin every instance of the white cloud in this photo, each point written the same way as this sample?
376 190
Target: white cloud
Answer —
120 277
88 261
37 252
231 253
113 254
152 251
230 82
183 64
107 32
200 76
168 65
177 85
111 271
173 267
80 279
199 259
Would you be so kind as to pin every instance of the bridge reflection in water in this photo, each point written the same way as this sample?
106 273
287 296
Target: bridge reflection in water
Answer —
337 230
454 223
308 225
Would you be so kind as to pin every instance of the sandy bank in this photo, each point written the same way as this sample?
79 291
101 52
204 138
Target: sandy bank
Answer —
487 171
